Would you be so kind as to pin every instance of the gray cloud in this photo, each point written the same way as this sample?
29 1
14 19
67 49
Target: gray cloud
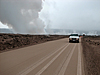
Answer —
28 16
22 15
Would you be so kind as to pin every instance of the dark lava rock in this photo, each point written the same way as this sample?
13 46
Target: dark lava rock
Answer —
13 41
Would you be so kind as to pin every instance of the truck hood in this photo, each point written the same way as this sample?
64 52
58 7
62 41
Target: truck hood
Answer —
74 37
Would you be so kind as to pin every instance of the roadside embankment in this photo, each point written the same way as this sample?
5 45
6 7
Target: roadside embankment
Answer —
13 41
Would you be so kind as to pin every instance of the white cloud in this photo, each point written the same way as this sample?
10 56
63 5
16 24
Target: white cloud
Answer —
72 14
3 26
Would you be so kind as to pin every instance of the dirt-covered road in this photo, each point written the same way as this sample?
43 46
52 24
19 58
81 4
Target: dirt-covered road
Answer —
57 57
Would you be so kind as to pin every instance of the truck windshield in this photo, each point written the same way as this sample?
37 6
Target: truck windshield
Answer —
74 34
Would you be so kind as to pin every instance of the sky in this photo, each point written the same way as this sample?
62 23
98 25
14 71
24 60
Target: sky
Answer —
65 14
72 14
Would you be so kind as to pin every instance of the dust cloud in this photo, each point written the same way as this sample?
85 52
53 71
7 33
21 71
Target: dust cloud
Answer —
22 15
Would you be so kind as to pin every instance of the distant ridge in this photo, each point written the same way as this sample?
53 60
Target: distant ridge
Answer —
57 31
68 31
4 30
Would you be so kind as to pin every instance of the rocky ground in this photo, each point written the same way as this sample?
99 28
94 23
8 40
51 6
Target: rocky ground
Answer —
91 52
91 47
12 41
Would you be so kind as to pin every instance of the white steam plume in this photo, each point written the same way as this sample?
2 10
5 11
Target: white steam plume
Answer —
22 15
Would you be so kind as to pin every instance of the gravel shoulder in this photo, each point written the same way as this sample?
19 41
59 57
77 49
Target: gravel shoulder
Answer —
91 53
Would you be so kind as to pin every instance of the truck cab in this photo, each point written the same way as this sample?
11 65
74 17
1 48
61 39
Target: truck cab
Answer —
74 37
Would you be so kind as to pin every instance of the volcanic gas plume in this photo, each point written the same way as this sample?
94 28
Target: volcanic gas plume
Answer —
22 15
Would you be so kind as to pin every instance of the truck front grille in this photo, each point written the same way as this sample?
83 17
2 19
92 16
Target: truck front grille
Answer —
73 38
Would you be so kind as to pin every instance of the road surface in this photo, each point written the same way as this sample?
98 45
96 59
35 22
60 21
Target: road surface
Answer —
51 58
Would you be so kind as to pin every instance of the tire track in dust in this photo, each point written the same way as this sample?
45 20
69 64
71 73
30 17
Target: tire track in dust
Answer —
48 64
79 69
61 64
33 66
63 69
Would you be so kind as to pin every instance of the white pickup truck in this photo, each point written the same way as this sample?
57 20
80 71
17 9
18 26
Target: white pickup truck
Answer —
74 38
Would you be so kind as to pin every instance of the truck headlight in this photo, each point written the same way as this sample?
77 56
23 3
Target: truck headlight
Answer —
77 39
